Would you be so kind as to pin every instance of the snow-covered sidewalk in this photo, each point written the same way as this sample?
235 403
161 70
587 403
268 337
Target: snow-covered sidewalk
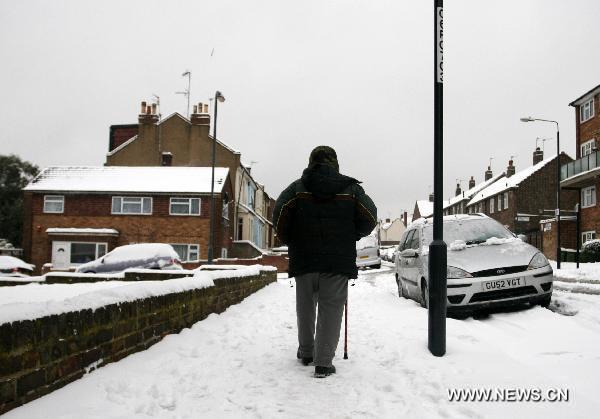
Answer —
242 364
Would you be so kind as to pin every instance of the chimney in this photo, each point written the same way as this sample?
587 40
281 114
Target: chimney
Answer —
167 159
148 114
199 134
538 156
200 115
510 170
471 182
458 190
405 217
488 173
431 197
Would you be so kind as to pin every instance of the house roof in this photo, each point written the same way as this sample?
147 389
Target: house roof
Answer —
585 96
508 183
162 121
468 194
426 207
145 179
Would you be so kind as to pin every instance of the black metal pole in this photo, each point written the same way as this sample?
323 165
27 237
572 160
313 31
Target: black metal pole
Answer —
212 187
558 251
437 249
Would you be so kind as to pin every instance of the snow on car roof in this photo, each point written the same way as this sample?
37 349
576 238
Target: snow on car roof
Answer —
468 194
508 183
127 179
455 217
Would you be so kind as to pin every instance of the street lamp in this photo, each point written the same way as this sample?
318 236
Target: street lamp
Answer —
218 98
557 210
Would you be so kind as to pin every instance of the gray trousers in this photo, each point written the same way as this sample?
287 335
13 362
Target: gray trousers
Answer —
329 292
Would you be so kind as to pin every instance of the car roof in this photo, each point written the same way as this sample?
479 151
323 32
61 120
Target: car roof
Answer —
424 222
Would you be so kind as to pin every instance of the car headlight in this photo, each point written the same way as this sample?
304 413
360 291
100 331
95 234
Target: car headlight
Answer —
538 261
454 272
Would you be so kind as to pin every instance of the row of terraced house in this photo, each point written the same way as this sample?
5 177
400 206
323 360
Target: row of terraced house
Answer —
155 186
524 200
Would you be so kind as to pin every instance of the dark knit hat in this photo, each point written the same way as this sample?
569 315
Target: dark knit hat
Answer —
324 155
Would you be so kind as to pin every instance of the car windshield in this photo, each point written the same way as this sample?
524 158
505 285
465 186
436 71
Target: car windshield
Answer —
471 231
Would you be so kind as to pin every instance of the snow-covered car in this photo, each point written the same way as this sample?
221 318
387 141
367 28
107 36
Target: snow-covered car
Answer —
488 266
12 266
367 253
141 255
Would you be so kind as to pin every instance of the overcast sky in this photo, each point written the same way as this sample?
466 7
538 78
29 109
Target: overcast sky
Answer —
356 75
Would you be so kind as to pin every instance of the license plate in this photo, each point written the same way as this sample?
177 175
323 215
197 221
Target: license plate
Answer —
363 257
500 284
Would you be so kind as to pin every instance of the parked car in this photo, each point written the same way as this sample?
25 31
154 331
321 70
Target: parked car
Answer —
142 255
12 266
488 266
367 253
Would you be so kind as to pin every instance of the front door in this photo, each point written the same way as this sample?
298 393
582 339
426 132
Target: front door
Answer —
61 255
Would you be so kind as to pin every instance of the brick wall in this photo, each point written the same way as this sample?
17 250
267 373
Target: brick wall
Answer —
41 355
589 129
590 217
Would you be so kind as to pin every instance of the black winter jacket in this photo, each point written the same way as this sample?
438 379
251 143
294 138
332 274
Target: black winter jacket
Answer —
320 217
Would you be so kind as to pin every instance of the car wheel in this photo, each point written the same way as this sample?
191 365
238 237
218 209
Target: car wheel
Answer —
89 272
400 290
546 301
378 266
424 295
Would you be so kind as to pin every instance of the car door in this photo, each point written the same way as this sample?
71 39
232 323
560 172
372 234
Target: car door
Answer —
411 264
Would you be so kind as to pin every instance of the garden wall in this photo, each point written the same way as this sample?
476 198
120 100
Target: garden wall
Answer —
43 354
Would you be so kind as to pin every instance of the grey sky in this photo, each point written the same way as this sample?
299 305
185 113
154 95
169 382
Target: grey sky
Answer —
356 75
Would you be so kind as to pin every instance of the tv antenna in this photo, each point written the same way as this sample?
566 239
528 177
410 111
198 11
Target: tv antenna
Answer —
157 98
186 92
543 140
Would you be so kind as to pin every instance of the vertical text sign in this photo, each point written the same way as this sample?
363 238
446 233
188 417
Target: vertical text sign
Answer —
439 35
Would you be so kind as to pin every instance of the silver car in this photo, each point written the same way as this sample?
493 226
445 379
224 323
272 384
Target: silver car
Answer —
367 253
140 255
488 266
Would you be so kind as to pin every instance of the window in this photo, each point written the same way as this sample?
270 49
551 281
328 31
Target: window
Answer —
414 241
251 194
588 197
86 252
491 205
500 199
587 236
223 253
187 252
505 200
131 205
54 204
240 230
225 211
407 238
588 147
586 110
184 206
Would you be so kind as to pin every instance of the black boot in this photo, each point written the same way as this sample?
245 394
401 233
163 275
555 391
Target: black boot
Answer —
304 359
322 372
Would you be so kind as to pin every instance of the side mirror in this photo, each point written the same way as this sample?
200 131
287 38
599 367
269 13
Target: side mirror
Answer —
523 237
102 260
409 253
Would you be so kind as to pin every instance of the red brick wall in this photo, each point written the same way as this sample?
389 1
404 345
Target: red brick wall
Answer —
589 129
567 237
590 217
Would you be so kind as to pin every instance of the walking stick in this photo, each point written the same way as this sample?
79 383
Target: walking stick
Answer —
346 331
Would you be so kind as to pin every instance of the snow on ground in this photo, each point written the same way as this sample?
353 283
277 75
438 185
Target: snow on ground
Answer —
242 364
568 272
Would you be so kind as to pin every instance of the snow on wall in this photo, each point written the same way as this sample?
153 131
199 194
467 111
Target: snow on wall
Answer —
92 300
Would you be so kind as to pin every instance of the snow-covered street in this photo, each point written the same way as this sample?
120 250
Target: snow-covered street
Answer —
242 364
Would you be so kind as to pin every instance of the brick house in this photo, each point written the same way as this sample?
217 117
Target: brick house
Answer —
518 200
582 175
76 214
179 141
458 203
424 208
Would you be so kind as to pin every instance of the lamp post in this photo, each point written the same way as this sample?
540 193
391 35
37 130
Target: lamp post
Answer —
436 288
557 210
218 98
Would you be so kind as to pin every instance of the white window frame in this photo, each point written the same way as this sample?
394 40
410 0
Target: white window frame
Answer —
492 203
588 201
131 198
54 199
188 251
586 110
189 204
587 236
96 254
587 147
505 200
223 253
500 198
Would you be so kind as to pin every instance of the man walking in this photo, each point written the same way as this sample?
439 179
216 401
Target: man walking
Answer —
320 217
